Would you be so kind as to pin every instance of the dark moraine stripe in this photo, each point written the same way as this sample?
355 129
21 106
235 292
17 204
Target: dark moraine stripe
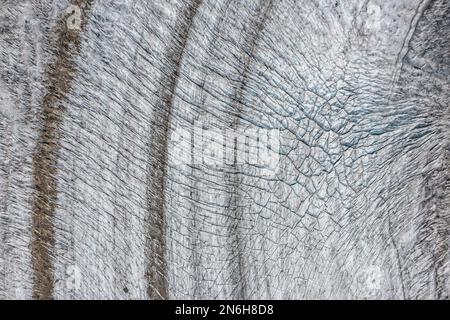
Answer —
58 76
158 287
238 246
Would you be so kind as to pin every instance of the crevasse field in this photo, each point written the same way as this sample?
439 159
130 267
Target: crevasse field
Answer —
203 149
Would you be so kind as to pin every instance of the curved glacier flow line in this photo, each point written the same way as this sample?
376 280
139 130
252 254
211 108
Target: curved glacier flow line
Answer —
59 76
406 42
156 274
237 261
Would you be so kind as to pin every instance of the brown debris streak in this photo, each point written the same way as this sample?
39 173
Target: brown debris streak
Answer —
59 76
